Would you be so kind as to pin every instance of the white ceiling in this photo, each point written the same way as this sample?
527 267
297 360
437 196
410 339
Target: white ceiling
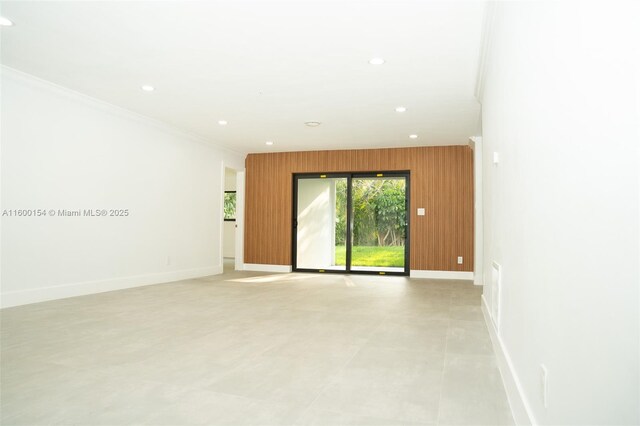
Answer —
265 66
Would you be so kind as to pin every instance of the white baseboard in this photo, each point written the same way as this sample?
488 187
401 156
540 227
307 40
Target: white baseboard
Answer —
43 294
442 275
266 268
520 408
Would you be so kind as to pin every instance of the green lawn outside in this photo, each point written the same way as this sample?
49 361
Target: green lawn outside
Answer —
392 256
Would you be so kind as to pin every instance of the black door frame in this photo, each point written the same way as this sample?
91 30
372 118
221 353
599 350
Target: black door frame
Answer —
350 176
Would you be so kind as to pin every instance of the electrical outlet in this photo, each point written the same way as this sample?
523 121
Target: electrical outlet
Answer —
544 375
168 260
459 260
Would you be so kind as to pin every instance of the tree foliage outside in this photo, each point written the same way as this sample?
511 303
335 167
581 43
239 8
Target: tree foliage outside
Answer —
230 206
379 211
341 212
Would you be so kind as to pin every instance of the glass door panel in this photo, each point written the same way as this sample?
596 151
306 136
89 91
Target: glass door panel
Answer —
379 216
321 223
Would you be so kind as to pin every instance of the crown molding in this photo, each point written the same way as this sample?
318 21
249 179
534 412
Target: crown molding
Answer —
113 109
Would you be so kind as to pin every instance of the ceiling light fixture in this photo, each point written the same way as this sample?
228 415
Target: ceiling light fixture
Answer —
222 122
413 136
376 61
400 109
147 88
312 123
4 22
268 143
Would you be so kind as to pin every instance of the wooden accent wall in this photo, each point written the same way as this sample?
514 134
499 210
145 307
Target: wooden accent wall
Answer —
441 182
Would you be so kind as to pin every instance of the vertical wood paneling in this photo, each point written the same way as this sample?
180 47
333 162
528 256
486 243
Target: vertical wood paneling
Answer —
441 182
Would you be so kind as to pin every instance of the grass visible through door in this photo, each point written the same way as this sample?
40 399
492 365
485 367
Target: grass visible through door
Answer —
386 256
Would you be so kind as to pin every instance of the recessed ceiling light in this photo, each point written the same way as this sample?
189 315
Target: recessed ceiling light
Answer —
148 88
400 109
312 123
269 143
4 22
376 61
222 122
413 136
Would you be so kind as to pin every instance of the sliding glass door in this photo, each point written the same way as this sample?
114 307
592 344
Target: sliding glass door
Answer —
351 223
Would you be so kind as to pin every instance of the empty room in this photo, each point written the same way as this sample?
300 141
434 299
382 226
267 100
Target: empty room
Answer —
356 212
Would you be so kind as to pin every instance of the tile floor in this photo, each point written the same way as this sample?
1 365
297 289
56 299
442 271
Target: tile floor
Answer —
252 348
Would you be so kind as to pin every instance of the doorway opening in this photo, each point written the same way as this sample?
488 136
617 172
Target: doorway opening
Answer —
351 223
229 206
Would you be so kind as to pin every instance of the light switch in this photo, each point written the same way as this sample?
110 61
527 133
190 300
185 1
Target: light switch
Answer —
420 211
496 158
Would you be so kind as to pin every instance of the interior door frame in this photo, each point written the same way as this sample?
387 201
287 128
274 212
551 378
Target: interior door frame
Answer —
349 225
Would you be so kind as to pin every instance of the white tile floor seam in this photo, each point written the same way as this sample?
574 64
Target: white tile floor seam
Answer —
254 348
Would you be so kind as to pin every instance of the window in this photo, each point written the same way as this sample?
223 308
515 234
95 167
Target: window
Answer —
230 205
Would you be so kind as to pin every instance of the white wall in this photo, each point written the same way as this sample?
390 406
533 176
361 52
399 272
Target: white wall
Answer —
316 226
561 207
229 227
63 150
